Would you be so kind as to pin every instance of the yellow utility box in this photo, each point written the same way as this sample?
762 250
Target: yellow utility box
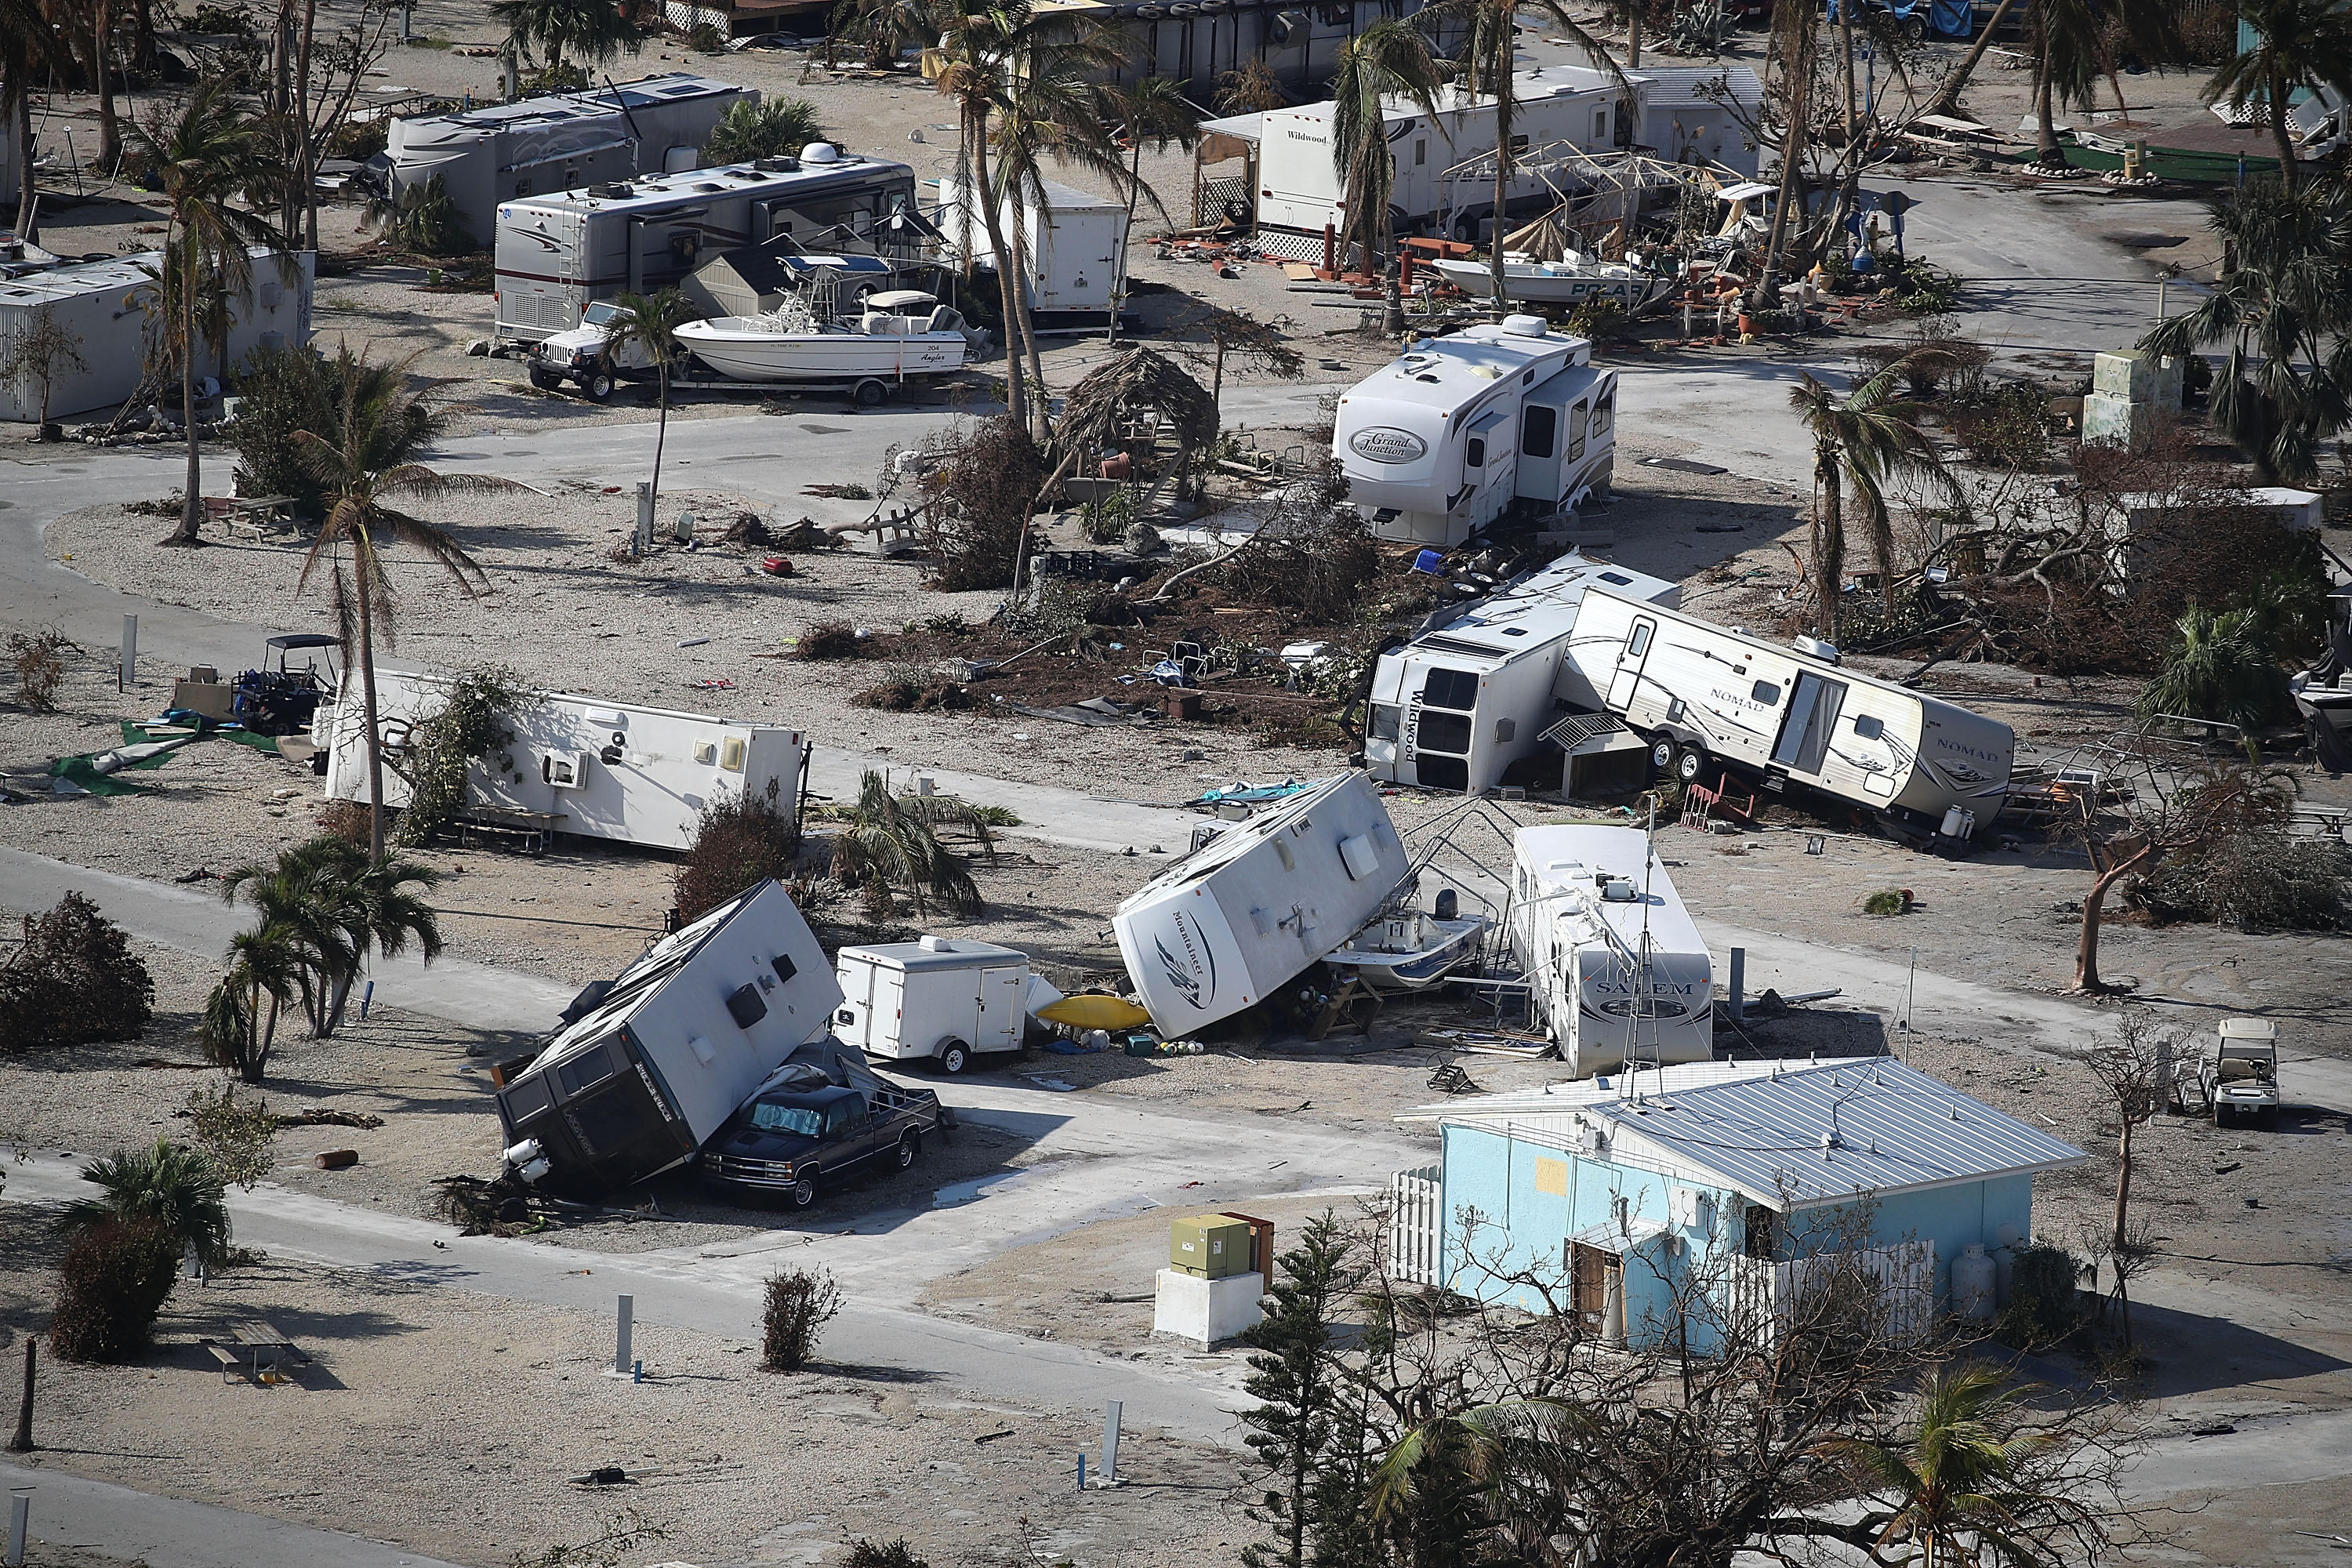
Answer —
1210 1245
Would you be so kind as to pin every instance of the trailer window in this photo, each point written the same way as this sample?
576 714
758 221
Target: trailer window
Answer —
798 1120
1767 693
585 1071
1386 721
1869 726
1604 412
1576 431
1445 732
1538 432
730 753
1454 689
1420 151
1639 643
1474 454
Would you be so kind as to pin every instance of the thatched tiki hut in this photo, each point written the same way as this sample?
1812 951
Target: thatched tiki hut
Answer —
1099 414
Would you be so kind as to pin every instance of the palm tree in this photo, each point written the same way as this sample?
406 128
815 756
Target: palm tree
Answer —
2073 47
882 27
594 31
2220 668
1388 59
891 845
240 1022
174 1187
1154 110
652 324
202 154
2297 43
301 900
778 127
377 424
1490 46
1861 442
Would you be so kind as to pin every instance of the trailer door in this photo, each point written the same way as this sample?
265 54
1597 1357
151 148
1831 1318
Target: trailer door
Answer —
1001 995
1805 728
1626 682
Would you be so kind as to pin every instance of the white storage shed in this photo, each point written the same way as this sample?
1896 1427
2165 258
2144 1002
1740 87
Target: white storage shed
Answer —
1073 245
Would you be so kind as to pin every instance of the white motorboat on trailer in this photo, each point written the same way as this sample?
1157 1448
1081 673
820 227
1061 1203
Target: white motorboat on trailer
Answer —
1572 279
906 334
1411 950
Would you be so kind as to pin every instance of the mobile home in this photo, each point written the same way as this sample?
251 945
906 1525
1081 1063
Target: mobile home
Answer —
1710 698
1462 428
1229 924
563 141
642 1074
1072 247
1615 965
1461 703
556 255
585 765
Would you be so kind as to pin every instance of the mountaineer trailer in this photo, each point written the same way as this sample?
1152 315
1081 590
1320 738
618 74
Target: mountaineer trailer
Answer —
1709 699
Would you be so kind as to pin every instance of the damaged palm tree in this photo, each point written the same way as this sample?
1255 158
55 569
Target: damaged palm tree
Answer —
1862 443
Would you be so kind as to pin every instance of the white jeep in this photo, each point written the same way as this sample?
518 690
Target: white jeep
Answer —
586 354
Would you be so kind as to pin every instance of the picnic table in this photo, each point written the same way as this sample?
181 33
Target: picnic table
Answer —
258 516
257 1348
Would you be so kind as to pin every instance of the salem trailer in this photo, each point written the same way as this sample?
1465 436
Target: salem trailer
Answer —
647 1069
1228 925
585 765
556 255
1709 697
1463 428
1466 700
563 141
1072 248
933 1000
1614 963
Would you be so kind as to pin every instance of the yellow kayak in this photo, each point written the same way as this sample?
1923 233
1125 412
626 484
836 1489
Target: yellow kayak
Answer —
1095 1013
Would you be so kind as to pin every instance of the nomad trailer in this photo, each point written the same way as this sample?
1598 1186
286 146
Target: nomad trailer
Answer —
1226 926
1072 247
1462 428
577 764
932 1000
1709 697
558 254
1614 963
1437 187
539 146
647 1068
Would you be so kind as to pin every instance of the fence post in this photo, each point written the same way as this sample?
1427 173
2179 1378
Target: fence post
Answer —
20 1516
1110 1442
621 1355
129 672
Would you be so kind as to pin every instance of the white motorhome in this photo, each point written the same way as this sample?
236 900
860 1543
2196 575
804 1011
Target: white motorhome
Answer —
1462 428
1455 706
1226 926
1072 247
645 1070
932 1000
563 141
585 765
1710 698
1615 965
557 254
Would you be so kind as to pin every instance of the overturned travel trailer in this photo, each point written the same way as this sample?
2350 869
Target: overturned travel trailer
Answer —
1466 700
647 1068
585 765
1615 966
1462 428
1226 926
1711 699
558 254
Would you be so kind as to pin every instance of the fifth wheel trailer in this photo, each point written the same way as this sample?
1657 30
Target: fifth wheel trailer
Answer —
586 765
1708 697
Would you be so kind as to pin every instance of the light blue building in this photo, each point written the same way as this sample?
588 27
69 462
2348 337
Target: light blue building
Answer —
1656 1208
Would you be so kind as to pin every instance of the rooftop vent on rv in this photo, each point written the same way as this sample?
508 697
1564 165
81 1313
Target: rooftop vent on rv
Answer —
1618 890
777 165
611 192
820 152
1526 326
935 945
1816 648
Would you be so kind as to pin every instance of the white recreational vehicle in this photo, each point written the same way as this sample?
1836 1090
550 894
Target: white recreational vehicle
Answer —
1710 698
1462 428
563 141
1455 706
1614 963
1439 184
586 765
558 254
646 1069
1224 928
1072 247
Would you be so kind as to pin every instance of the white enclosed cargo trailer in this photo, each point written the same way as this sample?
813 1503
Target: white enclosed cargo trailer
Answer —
1461 429
648 1070
1455 706
1615 965
1071 246
585 765
1226 926
932 1000
558 254
1710 698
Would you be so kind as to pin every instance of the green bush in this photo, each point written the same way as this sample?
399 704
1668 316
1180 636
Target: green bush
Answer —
2220 668
72 980
283 392
471 725
741 841
801 1302
115 1278
2044 1306
2266 880
1888 901
1106 518
776 128
424 219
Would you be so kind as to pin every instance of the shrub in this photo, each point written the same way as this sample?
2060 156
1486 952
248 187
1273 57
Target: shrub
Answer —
741 841
914 686
1319 570
115 1278
830 639
1888 901
283 392
39 661
1598 320
705 38
470 725
2007 428
344 819
2044 1307
360 139
866 1553
976 504
424 219
801 1302
1108 516
72 981
773 128
236 1137
2263 880
2218 667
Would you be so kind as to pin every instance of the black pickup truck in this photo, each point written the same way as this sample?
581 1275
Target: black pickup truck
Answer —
787 1140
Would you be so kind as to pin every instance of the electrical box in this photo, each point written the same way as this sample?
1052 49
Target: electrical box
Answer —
1210 1245
1691 1209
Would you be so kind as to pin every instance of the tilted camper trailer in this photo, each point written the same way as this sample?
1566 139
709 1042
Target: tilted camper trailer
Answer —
1710 698
556 255
1614 963
1462 428
1455 706
1226 926
642 1074
587 765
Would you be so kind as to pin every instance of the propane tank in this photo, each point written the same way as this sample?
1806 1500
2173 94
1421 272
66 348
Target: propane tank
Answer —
1972 1284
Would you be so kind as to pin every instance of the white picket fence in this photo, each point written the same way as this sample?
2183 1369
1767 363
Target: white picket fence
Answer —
1762 1295
1416 1227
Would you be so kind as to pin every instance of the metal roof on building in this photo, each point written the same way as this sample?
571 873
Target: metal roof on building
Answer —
1788 1135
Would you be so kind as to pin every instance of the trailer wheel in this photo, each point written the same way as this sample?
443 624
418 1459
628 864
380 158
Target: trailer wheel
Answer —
803 1191
1690 761
598 383
954 1057
910 1149
1662 752
1914 27
869 393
